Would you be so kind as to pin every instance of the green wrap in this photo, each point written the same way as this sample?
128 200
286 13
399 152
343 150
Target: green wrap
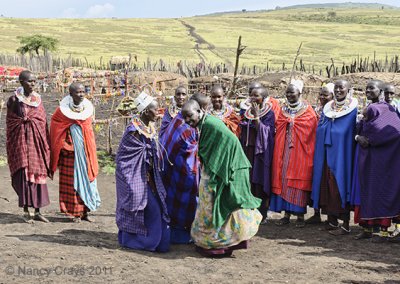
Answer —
229 169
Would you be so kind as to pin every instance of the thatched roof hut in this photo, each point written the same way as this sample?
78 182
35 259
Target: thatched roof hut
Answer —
360 80
165 82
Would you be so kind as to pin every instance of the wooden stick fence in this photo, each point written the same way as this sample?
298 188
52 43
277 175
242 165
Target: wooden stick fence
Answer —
48 64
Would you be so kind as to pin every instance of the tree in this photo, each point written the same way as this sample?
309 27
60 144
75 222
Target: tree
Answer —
37 42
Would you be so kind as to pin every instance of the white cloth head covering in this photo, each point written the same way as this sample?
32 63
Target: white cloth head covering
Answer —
298 84
143 101
330 87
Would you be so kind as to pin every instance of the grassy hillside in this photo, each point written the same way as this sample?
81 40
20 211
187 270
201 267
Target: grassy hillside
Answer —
271 36
346 5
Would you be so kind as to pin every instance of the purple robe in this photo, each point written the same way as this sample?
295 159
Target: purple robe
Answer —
138 180
379 163
166 120
258 145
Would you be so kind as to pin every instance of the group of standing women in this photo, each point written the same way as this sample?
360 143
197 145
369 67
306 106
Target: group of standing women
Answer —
210 168
211 174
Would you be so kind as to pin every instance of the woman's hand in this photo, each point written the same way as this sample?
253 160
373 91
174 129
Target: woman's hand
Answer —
363 141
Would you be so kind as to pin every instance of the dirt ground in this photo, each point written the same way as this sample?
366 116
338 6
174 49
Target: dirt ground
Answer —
62 251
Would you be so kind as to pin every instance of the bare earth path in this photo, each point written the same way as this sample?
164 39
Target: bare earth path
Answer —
198 39
89 252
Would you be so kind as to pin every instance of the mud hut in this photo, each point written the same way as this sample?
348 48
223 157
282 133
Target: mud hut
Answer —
119 62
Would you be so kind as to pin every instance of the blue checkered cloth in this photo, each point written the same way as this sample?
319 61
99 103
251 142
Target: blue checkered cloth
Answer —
133 165
181 180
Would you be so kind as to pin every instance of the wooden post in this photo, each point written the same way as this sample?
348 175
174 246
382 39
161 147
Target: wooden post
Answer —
239 51
294 61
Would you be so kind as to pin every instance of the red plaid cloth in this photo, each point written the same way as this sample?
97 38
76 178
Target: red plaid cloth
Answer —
27 138
70 201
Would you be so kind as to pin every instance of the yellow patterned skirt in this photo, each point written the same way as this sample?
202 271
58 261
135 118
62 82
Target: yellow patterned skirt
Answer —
241 224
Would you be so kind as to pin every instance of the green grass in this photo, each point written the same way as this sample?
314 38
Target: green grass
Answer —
271 36
3 161
106 163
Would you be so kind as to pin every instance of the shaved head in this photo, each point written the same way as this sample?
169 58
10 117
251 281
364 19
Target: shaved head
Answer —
254 85
190 104
380 84
180 89
217 88
74 87
24 75
217 97
201 99
180 96
262 91
374 90
341 89
343 82
389 92
191 112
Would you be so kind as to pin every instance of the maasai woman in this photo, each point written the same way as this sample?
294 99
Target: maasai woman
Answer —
181 176
390 97
73 150
28 151
325 95
245 105
173 109
226 217
293 156
333 160
378 164
222 110
257 139
141 213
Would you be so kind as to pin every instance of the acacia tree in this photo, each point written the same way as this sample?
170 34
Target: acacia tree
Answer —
34 43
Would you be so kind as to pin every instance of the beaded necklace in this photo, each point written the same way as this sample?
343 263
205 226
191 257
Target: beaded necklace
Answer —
293 109
148 131
76 108
266 107
340 106
33 99
224 112
173 110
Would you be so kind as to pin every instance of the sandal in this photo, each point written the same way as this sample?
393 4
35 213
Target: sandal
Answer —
86 217
315 219
300 223
329 226
27 217
40 217
75 219
215 253
341 231
363 235
379 239
395 238
283 221
395 233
